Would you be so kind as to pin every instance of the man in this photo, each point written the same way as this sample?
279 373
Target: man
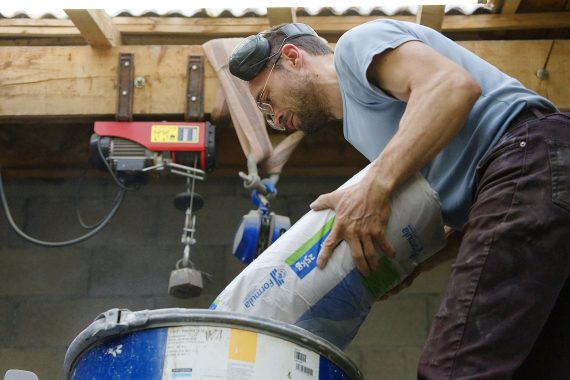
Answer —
497 153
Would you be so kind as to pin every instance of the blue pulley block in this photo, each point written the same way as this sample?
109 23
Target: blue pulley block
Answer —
257 231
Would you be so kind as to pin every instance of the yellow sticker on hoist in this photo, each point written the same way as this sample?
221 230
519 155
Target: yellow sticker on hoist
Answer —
162 133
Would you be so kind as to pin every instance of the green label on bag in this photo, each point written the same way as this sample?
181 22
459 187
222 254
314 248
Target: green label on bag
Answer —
304 259
385 278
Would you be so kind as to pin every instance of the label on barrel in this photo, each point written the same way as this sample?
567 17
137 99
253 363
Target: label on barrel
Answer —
204 352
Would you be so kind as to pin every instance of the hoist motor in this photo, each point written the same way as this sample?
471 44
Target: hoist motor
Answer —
133 148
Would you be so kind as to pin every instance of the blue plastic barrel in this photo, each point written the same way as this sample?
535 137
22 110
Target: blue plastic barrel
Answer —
196 344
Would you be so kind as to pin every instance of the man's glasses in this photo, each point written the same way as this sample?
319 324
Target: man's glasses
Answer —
265 107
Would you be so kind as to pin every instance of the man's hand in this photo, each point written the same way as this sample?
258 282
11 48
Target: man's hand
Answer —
362 214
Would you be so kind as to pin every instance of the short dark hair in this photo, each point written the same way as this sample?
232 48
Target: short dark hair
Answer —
311 44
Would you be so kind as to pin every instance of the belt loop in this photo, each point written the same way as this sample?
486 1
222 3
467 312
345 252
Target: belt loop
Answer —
537 113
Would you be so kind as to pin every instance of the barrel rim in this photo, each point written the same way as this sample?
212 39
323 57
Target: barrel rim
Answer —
117 322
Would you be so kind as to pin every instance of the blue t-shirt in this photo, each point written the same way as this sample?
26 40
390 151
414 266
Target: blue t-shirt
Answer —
371 117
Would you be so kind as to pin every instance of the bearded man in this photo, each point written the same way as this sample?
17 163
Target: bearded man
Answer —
497 153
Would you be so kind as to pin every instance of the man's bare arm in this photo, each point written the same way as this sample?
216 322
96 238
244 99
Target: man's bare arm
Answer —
439 96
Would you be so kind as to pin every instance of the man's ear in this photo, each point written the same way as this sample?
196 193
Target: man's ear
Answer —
292 54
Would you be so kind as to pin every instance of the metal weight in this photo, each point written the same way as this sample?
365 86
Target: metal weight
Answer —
185 283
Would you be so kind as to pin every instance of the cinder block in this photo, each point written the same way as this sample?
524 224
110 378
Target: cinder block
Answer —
169 185
356 356
233 266
47 363
298 207
52 220
135 223
6 321
171 223
52 323
8 237
55 219
433 281
144 271
49 188
400 364
434 301
139 271
384 365
167 302
42 271
412 358
218 221
399 321
309 186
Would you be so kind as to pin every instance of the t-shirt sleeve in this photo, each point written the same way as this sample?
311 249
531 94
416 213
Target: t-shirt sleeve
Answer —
357 47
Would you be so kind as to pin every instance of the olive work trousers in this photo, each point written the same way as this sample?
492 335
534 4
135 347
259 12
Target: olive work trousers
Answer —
506 312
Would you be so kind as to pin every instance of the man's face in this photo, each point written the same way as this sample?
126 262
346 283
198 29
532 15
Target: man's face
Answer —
294 97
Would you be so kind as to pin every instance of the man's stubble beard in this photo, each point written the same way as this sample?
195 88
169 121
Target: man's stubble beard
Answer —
309 105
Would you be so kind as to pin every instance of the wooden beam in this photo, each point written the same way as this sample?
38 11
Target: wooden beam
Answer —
510 6
283 15
431 16
95 26
82 81
500 22
14 28
207 28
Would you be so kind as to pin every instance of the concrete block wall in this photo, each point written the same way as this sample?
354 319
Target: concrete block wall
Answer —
48 295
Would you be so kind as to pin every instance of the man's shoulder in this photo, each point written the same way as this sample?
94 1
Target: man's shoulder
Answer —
377 30
378 25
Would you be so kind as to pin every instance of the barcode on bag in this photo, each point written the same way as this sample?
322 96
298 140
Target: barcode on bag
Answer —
305 370
300 357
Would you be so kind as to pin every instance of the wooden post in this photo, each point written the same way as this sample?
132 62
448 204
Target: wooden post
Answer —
278 16
431 16
95 26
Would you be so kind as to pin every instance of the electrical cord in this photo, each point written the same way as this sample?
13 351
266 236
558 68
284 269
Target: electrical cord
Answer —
96 224
116 203
117 181
95 228
76 202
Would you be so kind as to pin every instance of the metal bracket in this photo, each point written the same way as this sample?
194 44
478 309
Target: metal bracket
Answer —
125 86
195 89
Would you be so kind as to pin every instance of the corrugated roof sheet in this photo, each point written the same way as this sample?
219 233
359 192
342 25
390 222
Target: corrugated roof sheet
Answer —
46 12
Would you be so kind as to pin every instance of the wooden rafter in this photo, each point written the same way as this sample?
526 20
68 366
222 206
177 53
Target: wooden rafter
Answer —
95 26
282 15
431 16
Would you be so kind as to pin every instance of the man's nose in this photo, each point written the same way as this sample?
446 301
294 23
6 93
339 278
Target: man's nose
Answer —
277 117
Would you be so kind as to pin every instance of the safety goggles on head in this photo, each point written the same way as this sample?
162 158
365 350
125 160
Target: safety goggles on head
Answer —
251 55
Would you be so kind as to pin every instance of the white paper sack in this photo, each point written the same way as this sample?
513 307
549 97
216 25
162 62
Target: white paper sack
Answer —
284 282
